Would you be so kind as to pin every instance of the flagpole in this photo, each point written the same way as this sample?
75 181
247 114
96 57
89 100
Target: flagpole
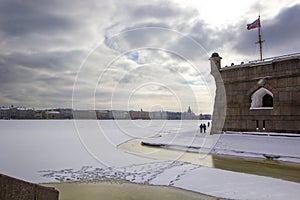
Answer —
259 40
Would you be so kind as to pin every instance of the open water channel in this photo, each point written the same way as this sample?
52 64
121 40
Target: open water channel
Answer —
121 190
264 167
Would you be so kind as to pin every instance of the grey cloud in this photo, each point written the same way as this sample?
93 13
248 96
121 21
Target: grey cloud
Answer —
129 79
203 34
162 11
38 25
33 80
29 17
140 36
155 11
281 34
140 32
54 60
46 24
38 95
183 45
44 42
179 69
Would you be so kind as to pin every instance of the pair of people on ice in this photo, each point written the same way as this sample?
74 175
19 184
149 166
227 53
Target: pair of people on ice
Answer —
202 128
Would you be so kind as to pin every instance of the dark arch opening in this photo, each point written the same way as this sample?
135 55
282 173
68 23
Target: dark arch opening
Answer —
267 101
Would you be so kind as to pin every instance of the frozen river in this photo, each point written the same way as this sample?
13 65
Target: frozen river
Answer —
27 147
87 150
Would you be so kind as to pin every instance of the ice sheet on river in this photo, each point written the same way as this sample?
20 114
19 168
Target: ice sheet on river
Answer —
45 151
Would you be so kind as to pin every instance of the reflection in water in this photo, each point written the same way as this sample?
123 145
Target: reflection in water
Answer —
277 169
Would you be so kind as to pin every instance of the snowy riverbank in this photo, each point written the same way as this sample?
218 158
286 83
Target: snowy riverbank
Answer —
86 150
277 146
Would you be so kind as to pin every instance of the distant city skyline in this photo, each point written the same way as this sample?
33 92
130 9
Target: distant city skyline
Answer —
14 112
60 107
120 55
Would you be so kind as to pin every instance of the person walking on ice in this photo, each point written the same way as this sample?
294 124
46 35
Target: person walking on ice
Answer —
204 128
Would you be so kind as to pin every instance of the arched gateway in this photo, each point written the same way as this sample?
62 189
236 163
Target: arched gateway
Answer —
262 99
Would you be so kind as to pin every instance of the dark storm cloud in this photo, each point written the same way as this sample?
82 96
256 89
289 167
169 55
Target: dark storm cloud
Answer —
281 34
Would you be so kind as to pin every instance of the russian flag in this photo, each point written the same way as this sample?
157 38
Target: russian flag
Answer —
254 24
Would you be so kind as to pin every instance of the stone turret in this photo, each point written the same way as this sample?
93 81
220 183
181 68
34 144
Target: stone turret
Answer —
219 112
215 61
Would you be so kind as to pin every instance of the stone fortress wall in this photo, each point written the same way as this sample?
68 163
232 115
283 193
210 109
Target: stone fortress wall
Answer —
261 96
14 189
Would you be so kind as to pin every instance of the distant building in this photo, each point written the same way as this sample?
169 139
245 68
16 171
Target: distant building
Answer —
188 115
260 96
65 113
17 113
205 116
68 113
173 115
104 114
120 114
52 114
158 115
139 115
84 114
22 113
4 113
39 114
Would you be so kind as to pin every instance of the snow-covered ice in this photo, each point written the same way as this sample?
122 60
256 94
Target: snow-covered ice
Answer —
228 184
86 150
282 146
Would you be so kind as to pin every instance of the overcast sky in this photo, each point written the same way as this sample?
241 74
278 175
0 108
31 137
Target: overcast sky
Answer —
150 55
